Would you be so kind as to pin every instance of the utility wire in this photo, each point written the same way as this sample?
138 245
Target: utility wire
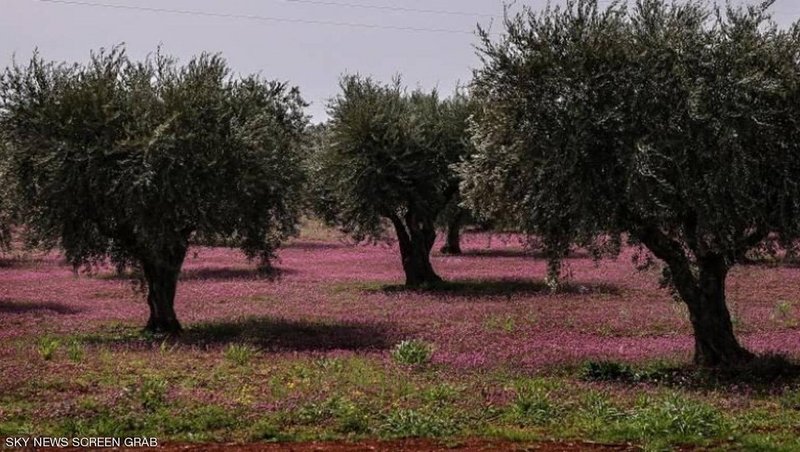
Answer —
253 17
393 8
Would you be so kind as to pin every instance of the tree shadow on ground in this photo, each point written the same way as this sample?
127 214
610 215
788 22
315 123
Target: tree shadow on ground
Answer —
292 335
267 334
8 306
502 287
208 274
316 246
766 374
226 273
517 252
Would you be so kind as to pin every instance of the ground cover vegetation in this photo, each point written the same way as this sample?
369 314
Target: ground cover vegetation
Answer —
342 351
638 163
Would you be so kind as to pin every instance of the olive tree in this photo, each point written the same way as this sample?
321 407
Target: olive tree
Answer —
387 158
8 203
129 161
457 113
672 123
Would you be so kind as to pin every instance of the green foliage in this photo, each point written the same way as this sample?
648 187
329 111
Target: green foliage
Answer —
791 399
202 421
130 161
152 393
413 352
614 92
267 430
674 418
783 310
105 423
100 148
386 157
240 354
386 151
532 404
47 347
348 417
408 423
75 351
599 408
506 323
664 120
8 195
442 394
606 371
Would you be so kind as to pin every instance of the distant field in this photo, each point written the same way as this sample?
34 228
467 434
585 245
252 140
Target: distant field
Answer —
313 353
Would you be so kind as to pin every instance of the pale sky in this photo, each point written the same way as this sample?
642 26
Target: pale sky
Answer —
299 48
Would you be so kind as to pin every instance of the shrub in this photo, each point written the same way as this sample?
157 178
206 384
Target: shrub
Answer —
413 352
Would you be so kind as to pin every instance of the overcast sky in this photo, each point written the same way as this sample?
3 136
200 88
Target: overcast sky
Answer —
305 47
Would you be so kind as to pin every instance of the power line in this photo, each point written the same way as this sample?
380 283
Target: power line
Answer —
393 8
254 17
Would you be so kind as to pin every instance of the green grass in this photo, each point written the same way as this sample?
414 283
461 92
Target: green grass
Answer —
240 354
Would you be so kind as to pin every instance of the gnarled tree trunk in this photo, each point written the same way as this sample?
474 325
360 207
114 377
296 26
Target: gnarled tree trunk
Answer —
416 239
161 273
715 342
703 292
452 243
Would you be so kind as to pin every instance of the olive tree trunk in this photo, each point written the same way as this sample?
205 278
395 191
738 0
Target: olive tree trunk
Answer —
416 239
452 243
715 342
703 291
161 275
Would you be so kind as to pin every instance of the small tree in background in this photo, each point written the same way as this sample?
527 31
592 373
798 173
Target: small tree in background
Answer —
667 122
388 157
8 203
128 161
457 112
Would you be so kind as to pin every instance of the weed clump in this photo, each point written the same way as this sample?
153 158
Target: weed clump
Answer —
413 352
240 355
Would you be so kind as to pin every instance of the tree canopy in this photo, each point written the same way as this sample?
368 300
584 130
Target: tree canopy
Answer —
129 161
671 122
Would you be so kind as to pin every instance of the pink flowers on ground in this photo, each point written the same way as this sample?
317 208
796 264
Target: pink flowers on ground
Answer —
330 289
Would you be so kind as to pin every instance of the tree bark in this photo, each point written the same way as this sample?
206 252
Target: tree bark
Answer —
715 341
416 241
452 243
161 274
704 294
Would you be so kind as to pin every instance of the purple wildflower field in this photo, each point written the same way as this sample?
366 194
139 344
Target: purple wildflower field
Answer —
311 353
331 298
